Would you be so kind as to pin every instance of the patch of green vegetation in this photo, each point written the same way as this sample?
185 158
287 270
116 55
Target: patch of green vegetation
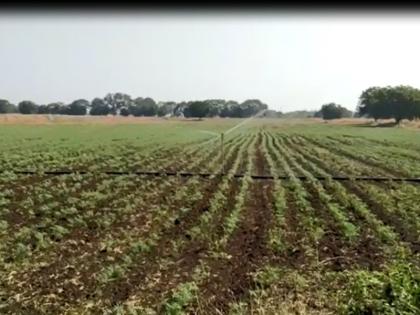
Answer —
184 294
396 290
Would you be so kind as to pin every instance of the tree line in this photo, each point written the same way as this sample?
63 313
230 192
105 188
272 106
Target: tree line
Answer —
398 102
389 102
123 105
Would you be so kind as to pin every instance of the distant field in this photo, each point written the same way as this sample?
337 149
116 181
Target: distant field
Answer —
101 244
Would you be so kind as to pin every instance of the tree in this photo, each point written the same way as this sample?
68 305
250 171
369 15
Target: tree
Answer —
78 107
252 107
143 107
373 103
43 109
197 109
99 107
334 111
56 108
399 102
6 107
27 107
116 101
215 107
246 109
165 108
180 109
227 108
125 112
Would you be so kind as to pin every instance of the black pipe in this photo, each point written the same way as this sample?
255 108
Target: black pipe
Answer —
206 175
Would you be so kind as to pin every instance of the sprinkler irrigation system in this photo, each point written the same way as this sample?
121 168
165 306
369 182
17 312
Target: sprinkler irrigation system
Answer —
222 136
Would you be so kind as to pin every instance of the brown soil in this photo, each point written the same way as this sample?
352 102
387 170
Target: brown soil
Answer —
248 250
230 279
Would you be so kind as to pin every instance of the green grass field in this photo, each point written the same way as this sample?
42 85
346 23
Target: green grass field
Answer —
94 243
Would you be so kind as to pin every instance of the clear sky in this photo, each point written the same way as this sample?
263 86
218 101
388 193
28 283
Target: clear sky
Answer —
290 61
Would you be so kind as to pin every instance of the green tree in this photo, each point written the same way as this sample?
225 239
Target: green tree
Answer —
125 112
143 107
27 107
117 101
228 108
78 107
399 102
252 107
165 108
334 111
56 108
43 109
181 108
197 109
99 107
6 107
215 106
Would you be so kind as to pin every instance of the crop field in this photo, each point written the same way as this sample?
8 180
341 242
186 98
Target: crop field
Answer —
95 243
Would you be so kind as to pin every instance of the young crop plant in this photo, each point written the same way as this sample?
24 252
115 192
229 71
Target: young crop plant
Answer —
183 295
350 231
324 158
396 203
353 202
312 224
275 234
3 227
380 164
203 230
177 208
111 273
396 290
232 220
95 243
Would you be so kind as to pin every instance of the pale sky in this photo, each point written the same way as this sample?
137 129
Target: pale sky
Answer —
290 61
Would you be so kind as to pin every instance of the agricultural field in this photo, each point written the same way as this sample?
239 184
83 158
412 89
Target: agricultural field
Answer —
94 243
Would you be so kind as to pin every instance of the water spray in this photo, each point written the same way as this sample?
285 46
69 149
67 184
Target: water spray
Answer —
222 135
